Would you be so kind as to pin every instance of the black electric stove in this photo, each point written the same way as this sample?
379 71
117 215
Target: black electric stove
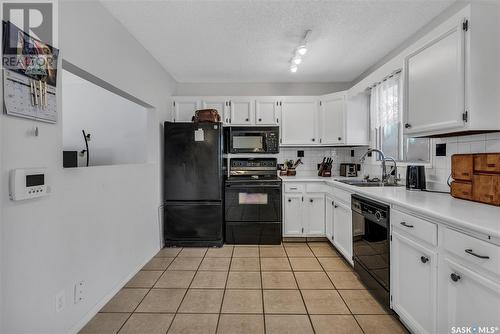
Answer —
253 202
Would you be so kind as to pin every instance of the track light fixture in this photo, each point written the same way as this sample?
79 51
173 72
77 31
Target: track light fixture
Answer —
299 51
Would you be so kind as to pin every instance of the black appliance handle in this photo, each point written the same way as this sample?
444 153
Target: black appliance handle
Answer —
469 251
243 186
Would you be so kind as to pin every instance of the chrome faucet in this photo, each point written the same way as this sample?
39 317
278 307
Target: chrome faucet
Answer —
386 177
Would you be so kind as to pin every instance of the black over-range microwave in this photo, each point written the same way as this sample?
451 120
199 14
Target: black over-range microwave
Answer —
251 139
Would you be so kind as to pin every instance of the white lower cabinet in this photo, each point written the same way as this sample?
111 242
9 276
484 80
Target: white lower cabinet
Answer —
329 204
467 298
292 222
342 229
314 214
304 215
414 282
449 284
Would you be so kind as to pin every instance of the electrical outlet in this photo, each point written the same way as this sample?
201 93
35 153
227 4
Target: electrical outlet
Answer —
60 301
79 292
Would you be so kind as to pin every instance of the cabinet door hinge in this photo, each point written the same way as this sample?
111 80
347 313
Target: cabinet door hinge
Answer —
465 116
465 25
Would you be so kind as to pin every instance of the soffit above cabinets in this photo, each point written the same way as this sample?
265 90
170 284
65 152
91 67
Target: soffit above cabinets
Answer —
251 41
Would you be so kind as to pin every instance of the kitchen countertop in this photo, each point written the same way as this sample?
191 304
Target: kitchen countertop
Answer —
475 217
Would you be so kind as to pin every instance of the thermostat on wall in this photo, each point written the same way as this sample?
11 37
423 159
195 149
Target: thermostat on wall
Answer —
27 183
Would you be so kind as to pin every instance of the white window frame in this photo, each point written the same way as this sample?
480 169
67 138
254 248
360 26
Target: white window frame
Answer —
376 132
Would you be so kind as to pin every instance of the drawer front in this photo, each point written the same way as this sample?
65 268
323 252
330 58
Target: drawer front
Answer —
487 163
461 190
416 227
292 187
479 252
462 167
486 188
316 188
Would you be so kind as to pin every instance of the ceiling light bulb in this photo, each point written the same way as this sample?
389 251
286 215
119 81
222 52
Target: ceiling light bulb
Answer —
302 50
293 68
297 60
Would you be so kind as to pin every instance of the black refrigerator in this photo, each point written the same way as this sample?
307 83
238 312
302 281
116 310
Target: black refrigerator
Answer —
193 181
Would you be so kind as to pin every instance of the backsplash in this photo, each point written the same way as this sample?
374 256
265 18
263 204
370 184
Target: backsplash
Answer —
441 168
437 175
313 156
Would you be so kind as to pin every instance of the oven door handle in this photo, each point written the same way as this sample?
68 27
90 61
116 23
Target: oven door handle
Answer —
241 186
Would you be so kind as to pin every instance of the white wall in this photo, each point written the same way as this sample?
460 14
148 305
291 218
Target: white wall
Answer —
100 223
118 127
259 89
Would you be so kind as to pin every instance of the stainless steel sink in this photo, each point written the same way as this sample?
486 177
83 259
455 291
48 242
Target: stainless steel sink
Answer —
358 183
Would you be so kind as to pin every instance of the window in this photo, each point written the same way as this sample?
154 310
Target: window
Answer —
386 123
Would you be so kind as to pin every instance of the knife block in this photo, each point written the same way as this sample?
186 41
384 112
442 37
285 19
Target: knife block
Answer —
326 173
476 177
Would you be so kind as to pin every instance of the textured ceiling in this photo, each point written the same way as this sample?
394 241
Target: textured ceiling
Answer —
252 41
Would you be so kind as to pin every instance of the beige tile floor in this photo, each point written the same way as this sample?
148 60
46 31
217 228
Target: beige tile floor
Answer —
291 288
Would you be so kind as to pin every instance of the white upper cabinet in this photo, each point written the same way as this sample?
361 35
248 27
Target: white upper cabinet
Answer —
267 111
340 120
299 121
221 104
452 75
184 108
435 77
332 111
344 119
242 111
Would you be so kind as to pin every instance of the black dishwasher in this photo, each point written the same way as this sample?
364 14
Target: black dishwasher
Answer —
371 246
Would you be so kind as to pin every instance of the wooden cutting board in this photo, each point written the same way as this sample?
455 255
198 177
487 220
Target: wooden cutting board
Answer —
476 177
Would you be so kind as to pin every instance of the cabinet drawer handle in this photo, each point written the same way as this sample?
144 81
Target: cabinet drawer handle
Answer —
407 125
424 259
260 119
455 277
340 138
406 225
293 188
469 251
289 200
277 120
335 206
246 119
311 200
313 139
492 165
